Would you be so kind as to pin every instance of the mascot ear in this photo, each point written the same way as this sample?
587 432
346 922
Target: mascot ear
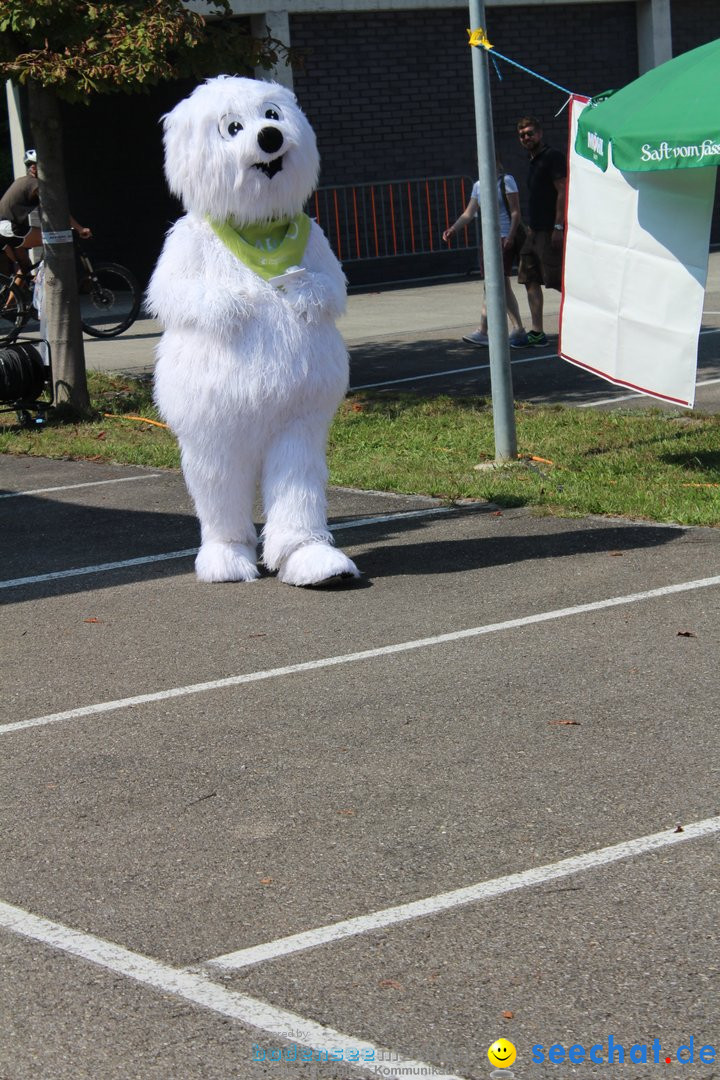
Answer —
177 137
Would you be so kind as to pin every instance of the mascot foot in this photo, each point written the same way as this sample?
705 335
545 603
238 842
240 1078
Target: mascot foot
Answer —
317 564
226 562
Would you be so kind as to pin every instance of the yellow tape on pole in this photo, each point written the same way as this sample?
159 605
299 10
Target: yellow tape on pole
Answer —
479 37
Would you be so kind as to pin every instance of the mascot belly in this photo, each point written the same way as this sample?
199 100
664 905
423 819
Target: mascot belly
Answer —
251 367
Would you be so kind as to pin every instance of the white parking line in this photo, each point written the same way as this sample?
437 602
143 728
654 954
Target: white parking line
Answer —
349 658
99 568
627 397
197 989
485 367
448 371
402 515
485 890
103 568
73 487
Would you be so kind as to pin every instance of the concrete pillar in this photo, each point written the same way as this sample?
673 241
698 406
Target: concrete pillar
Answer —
277 24
654 33
17 140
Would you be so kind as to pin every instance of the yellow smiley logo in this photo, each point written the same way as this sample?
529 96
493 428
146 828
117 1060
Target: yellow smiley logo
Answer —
501 1054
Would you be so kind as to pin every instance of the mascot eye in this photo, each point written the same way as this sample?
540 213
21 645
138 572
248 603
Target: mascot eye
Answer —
273 112
229 126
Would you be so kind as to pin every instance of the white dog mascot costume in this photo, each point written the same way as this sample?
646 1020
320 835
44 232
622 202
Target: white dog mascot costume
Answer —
251 367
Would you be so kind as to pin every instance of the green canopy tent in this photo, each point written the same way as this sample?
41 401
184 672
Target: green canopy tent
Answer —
669 118
641 178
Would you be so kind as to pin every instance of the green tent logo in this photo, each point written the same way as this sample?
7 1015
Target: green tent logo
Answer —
595 143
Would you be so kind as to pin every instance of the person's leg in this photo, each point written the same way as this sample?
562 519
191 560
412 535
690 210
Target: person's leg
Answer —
483 314
530 275
535 301
480 335
549 254
9 242
551 260
19 259
513 309
32 239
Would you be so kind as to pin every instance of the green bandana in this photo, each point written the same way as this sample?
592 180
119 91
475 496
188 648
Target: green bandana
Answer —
267 249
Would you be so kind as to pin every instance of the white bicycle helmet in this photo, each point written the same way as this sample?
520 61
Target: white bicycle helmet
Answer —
30 157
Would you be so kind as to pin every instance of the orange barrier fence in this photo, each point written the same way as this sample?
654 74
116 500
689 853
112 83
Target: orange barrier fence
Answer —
394 217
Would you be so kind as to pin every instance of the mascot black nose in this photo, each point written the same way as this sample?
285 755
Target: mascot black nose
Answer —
270 139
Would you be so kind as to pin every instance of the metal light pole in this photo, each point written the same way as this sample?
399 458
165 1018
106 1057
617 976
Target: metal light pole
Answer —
500 372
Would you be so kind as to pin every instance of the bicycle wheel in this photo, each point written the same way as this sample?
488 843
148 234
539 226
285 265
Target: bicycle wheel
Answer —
109 300
14 310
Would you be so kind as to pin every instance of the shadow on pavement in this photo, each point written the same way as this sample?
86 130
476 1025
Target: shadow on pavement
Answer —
434 365
51 537
453 556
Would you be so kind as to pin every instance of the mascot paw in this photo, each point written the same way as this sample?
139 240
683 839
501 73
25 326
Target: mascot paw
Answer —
317 564
226 562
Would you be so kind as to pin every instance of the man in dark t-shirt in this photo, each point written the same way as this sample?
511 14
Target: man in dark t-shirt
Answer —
20 216
18 202
541 256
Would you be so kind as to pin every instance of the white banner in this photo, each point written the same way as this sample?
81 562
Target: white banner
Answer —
636 255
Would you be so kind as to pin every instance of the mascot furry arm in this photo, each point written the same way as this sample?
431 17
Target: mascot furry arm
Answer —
195 283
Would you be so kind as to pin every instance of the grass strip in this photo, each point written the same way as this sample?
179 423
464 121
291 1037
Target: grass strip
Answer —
649 464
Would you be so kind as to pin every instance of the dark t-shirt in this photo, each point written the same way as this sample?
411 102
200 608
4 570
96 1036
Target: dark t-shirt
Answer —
546 167
20 199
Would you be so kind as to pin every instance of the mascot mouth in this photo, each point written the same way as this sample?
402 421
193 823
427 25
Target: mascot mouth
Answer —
270 167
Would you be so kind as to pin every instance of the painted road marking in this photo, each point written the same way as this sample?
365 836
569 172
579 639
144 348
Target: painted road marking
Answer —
349 658
73 487
627 397
446 371
103 568
485 890
485 367
197 989
99 568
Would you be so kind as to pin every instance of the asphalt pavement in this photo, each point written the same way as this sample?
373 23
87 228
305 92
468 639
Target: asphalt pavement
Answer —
256 831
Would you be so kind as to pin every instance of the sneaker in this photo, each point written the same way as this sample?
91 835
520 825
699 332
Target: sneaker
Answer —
476 338
536 339
519 340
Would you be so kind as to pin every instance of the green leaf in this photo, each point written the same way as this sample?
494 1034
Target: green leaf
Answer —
79 47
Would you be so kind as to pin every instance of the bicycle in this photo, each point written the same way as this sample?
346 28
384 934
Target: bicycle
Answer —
109 294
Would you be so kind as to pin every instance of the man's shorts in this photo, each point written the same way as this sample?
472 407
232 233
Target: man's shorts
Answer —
9 235
541 261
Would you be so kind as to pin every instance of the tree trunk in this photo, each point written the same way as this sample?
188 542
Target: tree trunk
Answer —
62 306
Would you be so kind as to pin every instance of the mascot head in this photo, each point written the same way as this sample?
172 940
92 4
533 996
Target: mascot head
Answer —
241 151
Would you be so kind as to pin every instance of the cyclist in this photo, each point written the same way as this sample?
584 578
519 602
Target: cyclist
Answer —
20 216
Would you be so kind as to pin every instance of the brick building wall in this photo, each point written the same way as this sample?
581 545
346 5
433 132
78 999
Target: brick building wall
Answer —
693 23
390 96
